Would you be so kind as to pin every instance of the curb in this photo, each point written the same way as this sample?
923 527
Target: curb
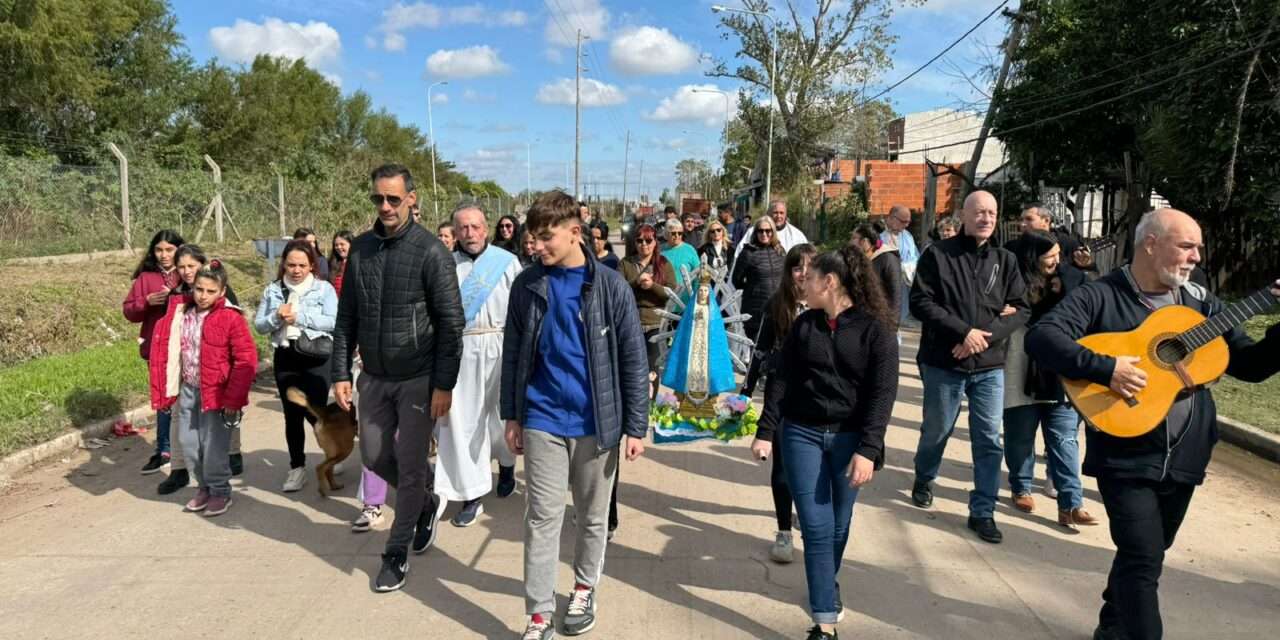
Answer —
1250 438
15 463
20 461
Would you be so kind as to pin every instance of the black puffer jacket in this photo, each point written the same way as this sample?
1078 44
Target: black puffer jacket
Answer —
401 306
617 365
757 271
959 286
1112 304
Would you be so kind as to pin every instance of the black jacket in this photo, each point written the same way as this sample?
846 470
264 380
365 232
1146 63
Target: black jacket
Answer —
1111 304
617 366
401 306
757 271
843 381
1042 383
961 286
708 254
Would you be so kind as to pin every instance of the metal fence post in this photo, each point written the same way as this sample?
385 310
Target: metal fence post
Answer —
124 192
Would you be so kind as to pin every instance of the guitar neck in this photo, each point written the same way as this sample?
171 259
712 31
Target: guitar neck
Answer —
1230 318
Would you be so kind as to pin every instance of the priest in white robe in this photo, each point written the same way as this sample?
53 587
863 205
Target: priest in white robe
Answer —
472 433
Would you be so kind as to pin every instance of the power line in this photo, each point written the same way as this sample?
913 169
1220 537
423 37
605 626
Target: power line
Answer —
940 53
1021 127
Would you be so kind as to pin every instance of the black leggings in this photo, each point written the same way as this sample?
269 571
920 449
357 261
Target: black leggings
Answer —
309 375
778 484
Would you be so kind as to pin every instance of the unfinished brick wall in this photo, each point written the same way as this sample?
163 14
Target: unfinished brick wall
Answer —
891 183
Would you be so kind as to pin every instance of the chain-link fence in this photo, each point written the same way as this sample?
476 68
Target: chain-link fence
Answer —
48 208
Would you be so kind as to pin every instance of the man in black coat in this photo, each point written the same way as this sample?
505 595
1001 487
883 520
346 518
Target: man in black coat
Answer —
1146 482
962 288
401 307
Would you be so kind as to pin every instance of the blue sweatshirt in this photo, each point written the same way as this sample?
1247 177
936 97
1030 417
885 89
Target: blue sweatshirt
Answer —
559 393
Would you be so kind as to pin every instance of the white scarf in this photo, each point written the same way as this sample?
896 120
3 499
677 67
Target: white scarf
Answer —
293 299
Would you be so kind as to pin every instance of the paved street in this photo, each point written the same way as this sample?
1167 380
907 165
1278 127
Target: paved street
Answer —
88 550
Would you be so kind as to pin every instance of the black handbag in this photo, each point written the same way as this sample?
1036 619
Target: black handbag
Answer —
320 348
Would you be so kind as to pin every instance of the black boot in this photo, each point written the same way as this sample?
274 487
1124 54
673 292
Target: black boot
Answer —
176 480
922 494
237 464
506 481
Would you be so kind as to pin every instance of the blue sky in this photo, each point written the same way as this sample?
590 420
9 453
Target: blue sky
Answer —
509 68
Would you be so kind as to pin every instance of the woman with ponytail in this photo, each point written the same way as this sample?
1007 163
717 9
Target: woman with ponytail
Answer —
885 261
833 393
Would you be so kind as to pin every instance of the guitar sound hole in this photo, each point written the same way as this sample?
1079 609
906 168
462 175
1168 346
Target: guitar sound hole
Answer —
1172 351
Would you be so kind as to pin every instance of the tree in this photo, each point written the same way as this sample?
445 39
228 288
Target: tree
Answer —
693 175
1187 94
822 60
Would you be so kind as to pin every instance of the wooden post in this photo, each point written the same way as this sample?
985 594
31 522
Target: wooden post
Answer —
284 231
124 193
1011 46
217 207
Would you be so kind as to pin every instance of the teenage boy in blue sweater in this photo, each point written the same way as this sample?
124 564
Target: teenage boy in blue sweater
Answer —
574 390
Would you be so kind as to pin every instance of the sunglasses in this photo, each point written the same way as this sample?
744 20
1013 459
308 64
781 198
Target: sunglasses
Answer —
644 241
506 225
717 231
764 232
377 199
675 233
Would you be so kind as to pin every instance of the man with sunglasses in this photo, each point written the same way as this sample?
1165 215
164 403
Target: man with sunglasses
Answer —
683 257
788 235
400 306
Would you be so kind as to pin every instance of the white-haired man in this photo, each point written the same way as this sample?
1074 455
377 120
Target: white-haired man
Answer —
1146 482
473 431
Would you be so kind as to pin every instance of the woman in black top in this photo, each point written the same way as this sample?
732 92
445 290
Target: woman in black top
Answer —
885 261
833 390
506 234
757 271
781 312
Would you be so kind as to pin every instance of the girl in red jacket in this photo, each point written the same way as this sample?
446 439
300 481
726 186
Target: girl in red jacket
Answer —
204 360
146 304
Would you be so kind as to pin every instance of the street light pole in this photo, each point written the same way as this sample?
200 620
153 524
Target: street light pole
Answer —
724 146
431 131
773 95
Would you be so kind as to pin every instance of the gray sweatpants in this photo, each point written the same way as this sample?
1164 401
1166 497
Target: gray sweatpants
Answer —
395 441
177 460
205 442
552 465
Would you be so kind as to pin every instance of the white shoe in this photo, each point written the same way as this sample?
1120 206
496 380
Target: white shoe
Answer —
1050 490
296 480
338 468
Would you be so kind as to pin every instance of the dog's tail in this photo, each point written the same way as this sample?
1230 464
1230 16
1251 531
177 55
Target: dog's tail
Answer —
296 396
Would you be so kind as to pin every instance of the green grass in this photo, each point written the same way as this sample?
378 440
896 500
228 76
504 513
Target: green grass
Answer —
1255 404
44 397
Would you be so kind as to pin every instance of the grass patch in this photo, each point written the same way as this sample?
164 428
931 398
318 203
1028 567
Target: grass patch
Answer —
46 396
1255 404
67 355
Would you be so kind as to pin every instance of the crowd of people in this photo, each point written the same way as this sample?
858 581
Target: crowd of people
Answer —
534 339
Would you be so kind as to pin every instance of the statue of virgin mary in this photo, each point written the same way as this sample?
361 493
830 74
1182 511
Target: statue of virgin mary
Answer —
699 367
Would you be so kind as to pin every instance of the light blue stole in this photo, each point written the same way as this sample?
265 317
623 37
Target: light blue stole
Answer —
485 274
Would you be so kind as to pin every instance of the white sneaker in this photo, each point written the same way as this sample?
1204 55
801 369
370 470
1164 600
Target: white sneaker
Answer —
783 550
369 518
296 479
1050 490
338 468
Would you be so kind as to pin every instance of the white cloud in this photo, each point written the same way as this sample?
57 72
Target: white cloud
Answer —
651 51
439 98
334 79
400 17
594 93
471 62
553 55
587 15
687 105
316 42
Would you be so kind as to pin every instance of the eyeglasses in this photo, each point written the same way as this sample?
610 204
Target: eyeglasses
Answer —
506 225
377 199
675 233
644 241
764 232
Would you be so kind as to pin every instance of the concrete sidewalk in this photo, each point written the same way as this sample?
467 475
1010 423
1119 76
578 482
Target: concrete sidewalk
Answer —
88 550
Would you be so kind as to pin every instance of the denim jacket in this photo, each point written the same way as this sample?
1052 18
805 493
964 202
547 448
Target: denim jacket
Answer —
317 310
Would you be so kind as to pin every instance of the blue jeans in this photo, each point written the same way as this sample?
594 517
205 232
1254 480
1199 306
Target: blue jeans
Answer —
943 390
1060 423
163 420
816 465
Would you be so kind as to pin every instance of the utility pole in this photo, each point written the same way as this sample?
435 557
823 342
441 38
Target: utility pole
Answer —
431 131
1010 47
626 155
577 115
641 180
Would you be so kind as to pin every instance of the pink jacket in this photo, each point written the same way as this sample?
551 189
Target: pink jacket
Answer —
136 308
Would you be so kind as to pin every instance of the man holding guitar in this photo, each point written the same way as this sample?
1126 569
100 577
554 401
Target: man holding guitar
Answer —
1147 479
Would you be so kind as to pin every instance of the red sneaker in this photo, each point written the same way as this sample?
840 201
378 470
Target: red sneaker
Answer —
217 506
200 502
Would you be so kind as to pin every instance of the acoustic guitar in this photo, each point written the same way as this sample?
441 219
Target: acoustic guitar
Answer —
1179 349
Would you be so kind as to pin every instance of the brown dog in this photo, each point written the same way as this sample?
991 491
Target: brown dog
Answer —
335 430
